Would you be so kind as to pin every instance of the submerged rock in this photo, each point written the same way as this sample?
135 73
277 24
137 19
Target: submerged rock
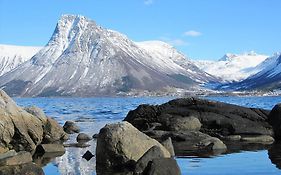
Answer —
70 127
82 137
88 155
121 144
258 139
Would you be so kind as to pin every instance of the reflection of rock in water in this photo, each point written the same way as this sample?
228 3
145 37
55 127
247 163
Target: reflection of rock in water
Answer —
72 163
274 154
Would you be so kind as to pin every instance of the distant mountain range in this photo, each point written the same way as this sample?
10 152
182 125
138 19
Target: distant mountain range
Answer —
12 56
268 77
233 67
84 59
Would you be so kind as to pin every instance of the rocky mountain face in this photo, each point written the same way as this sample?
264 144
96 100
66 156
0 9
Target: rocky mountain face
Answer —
12 56
233 67
267 78
84 59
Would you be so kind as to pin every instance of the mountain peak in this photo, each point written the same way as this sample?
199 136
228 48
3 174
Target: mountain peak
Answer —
227 57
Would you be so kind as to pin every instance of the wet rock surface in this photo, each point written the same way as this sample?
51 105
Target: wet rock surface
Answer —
198 124
71 127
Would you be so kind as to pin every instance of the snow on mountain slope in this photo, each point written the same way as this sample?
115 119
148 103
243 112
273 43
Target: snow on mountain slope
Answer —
12 56
84 59
268 76
232 67
162 52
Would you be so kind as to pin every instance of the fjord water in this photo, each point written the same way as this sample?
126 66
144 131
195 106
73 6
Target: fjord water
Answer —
91 114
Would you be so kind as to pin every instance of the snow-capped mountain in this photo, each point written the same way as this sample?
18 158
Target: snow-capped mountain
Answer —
84 59
268 76
12 56
233 67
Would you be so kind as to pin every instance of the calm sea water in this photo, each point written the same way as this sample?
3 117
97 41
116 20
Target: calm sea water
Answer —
91 114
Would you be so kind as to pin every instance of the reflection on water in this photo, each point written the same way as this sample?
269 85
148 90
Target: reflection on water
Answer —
91 114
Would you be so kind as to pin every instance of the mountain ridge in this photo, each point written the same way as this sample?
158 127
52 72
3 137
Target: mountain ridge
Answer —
84 59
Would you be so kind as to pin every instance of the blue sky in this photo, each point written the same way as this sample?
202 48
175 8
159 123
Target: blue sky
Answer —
202 29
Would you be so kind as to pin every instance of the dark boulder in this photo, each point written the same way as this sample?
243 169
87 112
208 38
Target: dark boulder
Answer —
274 119
162 166
70 127
217 118
153 153
88 155
82 137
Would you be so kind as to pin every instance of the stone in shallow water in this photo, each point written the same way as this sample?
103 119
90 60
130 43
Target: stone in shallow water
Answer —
70 127
232 137
18 159
88 155
258 139
95 136
120 143
82 137
49 148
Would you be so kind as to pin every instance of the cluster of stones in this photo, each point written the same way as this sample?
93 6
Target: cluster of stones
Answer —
145 142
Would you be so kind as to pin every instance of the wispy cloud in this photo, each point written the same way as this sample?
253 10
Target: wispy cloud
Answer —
192 33
148 2
174 41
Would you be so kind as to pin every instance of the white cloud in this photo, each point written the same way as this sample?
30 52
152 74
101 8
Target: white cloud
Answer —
148 2
192 33
174 41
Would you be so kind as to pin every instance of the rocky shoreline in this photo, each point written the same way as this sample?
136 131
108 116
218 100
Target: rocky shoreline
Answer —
193 126
146 142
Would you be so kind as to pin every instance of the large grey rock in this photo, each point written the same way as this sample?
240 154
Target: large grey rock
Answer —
120 143
34 110
22 157
153 153
53 131
21 130
10 153
163 166
18 128
23 169
70 127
